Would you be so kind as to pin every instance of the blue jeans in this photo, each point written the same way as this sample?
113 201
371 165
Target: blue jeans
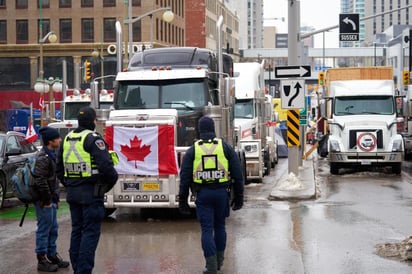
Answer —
86 225
212 207
47 230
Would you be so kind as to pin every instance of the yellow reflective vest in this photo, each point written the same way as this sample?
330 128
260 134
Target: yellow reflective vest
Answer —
210 164
78 163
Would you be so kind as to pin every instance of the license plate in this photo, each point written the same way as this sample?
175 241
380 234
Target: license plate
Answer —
366 163
150 186
131 186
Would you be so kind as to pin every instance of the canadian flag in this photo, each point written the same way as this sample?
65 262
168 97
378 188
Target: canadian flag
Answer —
31 134
143 151
41 102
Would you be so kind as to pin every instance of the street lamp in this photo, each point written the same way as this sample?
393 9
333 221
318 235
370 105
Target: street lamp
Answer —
96 54
48 85
39 86
168 16
52 39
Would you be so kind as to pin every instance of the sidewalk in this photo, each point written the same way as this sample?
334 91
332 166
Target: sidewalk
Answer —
292 187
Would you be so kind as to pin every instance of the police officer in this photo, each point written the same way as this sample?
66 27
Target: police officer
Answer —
87 170
209 168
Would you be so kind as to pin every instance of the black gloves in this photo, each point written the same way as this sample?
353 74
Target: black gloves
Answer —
184 207
237 202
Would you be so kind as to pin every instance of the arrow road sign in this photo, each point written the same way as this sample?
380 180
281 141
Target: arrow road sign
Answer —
292 71
292 94
349 27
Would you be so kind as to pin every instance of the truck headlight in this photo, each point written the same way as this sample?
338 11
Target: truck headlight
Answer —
397 145
334 146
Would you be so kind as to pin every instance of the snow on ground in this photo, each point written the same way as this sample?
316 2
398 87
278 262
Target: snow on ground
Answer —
291 183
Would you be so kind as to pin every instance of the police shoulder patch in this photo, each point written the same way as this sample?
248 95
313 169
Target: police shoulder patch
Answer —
100 144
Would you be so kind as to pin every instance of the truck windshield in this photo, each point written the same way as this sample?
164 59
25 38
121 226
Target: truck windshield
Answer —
244 109
359 105
71 109
178 94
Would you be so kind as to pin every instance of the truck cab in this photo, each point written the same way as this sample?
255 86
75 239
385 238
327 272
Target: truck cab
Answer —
363 125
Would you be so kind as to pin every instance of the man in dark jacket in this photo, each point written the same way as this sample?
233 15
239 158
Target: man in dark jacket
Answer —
86 169
209 168
48 203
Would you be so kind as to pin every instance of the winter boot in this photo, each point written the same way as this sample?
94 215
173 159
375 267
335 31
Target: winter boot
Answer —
56 259
220 257
211 265
45 265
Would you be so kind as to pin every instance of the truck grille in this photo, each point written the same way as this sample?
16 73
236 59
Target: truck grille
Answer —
352 137
368 157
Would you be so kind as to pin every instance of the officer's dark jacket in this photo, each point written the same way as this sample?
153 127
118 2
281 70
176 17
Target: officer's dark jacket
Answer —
107 176
45 176
186 169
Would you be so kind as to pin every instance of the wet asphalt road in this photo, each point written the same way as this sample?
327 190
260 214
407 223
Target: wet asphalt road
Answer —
335 233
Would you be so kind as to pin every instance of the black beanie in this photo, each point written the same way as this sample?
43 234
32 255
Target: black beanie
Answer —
48 134
86 117
206 124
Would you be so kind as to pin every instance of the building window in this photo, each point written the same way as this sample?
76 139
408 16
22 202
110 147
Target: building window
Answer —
21 4
45 3
87 30
2 3
45 26
3 32
22 31
65 30
65 3
136 3
137 31
87 3
109 29
109 3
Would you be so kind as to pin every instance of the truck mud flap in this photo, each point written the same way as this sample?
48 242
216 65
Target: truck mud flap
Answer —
323 146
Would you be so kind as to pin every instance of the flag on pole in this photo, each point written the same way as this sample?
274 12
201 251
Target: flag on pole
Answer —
41 102
143 151
31 134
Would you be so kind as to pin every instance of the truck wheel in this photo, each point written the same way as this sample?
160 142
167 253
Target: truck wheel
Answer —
397 168
109 211
268 164
334 169
2 193
275 159
242 159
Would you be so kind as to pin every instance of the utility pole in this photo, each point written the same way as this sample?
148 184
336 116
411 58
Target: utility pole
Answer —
293 60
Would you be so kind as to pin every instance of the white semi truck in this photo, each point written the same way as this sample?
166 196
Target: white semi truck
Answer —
363 125
165 88
254 117
72 103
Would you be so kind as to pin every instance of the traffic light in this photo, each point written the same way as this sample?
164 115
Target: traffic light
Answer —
87 71
321 78
405 78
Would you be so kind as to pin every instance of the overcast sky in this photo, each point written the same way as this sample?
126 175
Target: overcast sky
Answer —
316 13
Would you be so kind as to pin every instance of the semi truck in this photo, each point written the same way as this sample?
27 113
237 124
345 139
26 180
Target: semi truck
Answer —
73 102
362 119
165 90
254 117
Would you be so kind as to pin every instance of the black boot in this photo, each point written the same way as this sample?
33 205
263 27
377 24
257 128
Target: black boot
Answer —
211 265
220 258
45 265
56 259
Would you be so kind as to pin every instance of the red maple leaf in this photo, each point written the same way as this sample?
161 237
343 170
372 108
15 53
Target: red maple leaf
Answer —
136 152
